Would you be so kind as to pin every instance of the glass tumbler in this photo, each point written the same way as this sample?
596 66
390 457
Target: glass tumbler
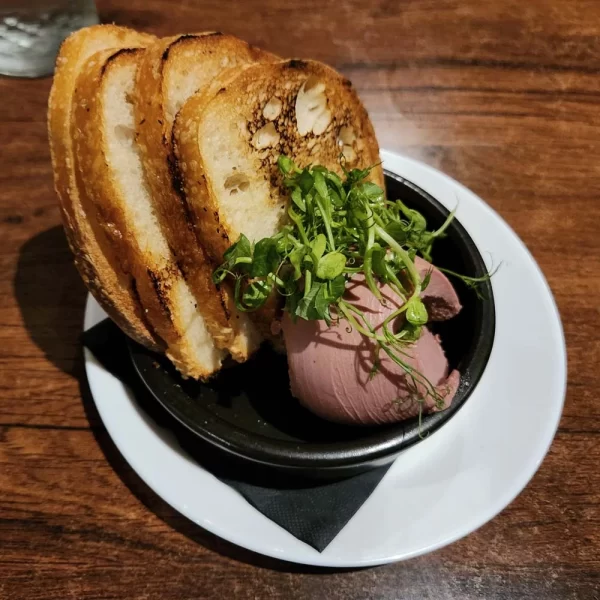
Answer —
31 32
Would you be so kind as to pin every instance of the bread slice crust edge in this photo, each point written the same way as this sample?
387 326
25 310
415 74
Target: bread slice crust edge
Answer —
114 290
167 64
123 212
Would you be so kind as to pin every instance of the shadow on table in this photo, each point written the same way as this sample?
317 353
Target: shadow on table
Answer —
159 507
51 298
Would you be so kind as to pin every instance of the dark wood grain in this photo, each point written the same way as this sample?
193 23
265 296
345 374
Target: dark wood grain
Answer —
505 97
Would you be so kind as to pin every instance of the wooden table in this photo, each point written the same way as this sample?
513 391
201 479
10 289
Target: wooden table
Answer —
505 97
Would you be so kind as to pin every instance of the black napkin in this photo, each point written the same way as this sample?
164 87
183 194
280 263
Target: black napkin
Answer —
312 512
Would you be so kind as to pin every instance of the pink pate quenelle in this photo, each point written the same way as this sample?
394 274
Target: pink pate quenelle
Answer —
330 366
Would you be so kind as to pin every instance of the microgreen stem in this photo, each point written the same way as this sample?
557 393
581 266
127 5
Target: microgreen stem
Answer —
294 240
327 224
276 280
298 222
445 224
403 254
399 289
378 220
347 309
466 278
395 314
368 259
307 282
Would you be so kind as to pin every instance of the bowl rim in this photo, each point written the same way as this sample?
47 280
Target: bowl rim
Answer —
374 449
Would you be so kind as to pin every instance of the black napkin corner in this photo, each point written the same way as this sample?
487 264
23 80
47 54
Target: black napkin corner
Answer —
313 512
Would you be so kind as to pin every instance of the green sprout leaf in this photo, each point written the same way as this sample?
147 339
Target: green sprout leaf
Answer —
318 245
297 199
306 307
306 181
320 184
241 249
331 265
356 175
238 256
372 192
322 303
417 220
397 231
416 313
266 258
336 288
426 280
296 257
219 274
285 164
256 294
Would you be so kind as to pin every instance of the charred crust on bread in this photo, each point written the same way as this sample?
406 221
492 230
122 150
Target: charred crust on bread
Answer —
177 184
157 284
180 265
165 54
296 63
194 36
175 175
113 57
143 316
184 38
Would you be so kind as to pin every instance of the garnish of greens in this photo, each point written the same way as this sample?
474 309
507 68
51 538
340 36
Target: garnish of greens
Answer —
339 228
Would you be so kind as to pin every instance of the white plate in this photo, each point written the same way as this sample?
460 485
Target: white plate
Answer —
437 491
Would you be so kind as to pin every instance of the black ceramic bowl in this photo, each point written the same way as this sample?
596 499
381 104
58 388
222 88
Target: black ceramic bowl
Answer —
248 414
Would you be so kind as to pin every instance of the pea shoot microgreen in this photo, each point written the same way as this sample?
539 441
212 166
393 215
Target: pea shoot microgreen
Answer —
338 228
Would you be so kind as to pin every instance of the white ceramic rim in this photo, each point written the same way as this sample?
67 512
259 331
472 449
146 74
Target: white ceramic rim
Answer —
437 491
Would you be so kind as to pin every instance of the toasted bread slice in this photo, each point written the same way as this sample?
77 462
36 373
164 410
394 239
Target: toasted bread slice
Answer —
110 165
227 145
94 258
170 72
